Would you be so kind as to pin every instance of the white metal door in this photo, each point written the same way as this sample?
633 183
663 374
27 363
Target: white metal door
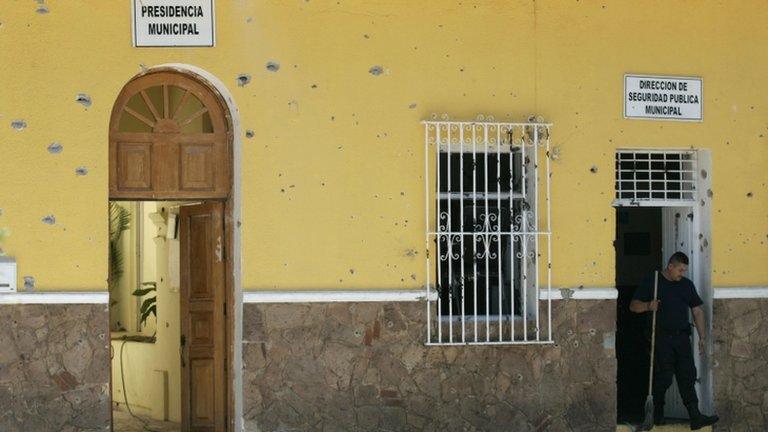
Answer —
678 235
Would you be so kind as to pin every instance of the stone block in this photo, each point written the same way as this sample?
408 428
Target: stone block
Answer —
59 379
390 380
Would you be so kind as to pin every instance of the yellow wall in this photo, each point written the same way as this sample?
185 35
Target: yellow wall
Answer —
349 154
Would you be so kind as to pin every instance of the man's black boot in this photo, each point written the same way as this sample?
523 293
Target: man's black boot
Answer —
658 415
699 420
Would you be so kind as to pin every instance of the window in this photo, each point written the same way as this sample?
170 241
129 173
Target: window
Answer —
664 177
489 258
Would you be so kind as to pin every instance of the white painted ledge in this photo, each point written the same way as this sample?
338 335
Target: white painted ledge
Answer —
756 292
334 296
102 297
609 293
58 297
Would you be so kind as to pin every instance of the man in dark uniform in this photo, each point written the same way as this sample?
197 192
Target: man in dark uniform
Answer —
674 354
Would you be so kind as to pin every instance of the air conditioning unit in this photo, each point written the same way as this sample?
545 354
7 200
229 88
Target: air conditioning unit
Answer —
7 274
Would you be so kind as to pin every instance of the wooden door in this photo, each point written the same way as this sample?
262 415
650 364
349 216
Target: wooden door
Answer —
203 332
169 138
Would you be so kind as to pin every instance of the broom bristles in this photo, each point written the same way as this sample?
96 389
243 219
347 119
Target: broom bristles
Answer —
648 422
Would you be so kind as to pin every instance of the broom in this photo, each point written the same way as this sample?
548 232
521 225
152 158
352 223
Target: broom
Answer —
648 422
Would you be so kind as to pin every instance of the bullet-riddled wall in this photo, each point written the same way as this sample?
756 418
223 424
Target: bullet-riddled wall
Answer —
332 149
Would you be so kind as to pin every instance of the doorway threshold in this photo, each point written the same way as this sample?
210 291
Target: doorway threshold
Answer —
674 427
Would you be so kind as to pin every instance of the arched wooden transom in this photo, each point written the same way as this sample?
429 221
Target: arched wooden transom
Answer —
169 138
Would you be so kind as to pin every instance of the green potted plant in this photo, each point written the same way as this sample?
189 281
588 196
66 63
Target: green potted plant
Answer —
4 232
148 305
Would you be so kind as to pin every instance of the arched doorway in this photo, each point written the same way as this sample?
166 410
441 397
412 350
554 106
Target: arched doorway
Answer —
171 140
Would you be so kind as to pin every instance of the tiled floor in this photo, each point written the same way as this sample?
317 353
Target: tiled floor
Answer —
124 422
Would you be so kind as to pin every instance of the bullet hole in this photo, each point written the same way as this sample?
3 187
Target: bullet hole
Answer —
593 170
243 80
249 20
704 174
461 69
292 186
55 148
376 70
413 276
366 36
83 99
81 171
42 9
249 134
274 66
29 283
333 118
351 271
282 190
703 203
412 106
19 124
314 86
520 377
411 252
710 193
48 220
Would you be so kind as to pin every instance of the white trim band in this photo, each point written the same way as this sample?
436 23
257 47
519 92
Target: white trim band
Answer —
102 297
754 292
608 293
333 296
57 297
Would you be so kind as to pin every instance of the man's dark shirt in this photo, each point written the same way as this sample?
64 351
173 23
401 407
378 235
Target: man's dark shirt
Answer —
676 298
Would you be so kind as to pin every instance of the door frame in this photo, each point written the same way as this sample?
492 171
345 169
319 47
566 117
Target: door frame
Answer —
701 260
232 239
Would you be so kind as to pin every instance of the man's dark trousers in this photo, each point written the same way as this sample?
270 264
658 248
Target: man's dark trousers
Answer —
674 356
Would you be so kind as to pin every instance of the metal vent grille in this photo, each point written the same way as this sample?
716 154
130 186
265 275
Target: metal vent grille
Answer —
660 176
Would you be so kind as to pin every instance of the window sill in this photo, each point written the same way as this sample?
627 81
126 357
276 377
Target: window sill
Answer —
124 336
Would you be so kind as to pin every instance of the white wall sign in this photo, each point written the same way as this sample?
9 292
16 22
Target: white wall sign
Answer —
663 97
173 23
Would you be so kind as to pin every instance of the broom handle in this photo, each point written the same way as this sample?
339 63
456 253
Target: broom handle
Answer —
653 332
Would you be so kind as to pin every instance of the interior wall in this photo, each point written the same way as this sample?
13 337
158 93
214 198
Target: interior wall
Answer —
122 311
146 365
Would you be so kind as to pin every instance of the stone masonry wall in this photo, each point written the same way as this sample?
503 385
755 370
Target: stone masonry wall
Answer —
54 368
364 367
740 331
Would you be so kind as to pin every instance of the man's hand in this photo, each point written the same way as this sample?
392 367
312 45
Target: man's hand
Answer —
703 347
638 306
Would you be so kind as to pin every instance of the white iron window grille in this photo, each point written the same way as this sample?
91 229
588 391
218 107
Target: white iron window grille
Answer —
489 240
655 177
